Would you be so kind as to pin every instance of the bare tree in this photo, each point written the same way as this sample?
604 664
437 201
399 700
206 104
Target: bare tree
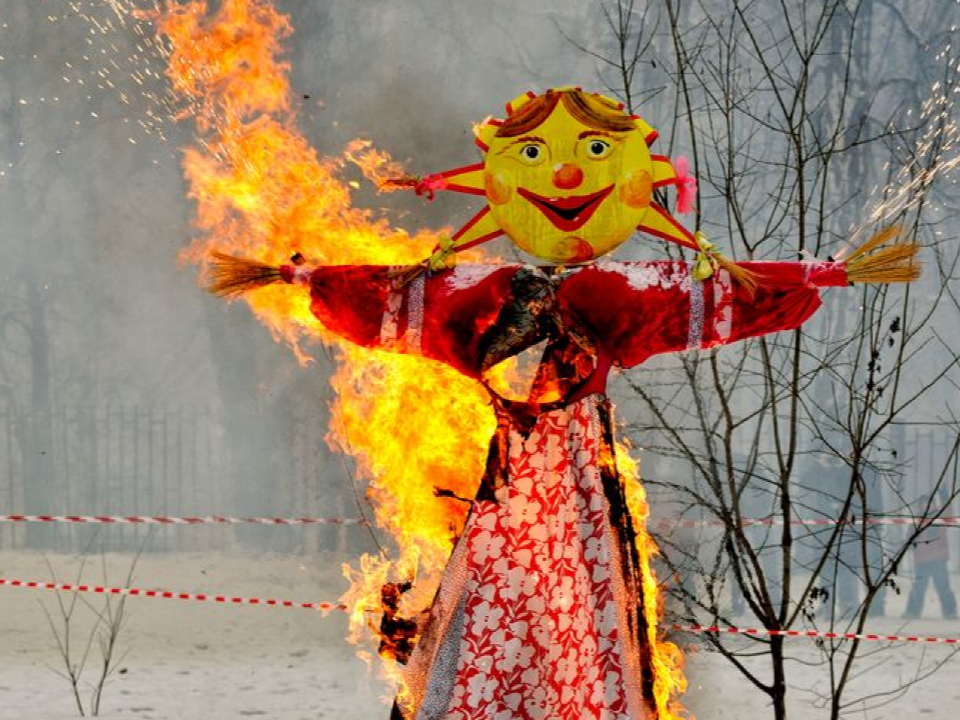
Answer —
792 113
109 619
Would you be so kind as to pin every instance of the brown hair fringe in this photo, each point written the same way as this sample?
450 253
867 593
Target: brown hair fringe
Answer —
582 106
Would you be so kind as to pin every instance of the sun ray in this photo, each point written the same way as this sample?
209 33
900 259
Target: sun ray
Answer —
663 171
659 223
649 134
519 101
482 227
467 180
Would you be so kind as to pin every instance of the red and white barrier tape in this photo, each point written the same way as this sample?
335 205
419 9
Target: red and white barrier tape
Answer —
748 522
171 595
814 634
326 607
653 523
190 520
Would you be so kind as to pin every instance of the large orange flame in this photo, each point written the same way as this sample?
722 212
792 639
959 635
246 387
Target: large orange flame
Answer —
669 680
262 192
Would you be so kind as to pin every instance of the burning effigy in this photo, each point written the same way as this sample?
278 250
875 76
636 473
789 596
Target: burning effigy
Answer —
474 392
541 611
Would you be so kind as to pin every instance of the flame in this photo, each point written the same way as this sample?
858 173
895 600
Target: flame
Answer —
261 191
376 165
667 659
414 425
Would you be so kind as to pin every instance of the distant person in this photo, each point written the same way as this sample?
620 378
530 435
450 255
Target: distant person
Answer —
841 576
855 559
757 503
930 557
768 552
846 582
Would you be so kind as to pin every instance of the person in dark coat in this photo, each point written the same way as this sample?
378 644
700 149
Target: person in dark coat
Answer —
931 555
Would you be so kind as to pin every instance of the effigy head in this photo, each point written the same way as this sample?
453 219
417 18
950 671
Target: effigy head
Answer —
568 175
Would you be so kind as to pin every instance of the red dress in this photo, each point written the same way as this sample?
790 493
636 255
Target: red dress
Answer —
539 615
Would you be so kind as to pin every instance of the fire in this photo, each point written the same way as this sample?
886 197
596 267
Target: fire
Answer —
669 680
376 165
261 191
415 427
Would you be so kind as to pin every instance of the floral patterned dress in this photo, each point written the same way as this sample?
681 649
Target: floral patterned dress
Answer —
539 615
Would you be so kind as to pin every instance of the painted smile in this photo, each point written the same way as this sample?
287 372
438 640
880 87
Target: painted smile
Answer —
567 213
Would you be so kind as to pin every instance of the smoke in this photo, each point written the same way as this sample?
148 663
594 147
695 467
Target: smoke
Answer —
107 345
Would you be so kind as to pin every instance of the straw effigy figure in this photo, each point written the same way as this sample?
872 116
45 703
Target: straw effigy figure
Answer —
542 611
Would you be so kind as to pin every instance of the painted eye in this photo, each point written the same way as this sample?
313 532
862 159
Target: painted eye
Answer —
531 153
598 149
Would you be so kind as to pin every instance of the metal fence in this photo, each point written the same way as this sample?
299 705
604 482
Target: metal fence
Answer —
133 460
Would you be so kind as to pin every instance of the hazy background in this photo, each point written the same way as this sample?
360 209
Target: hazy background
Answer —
125 389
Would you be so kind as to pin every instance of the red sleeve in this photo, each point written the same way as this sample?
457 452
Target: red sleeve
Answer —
637 310
442 316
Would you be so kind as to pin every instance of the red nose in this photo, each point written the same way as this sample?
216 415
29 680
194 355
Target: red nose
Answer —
567 176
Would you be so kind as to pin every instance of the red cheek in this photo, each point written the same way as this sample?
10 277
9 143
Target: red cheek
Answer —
580 251
498 189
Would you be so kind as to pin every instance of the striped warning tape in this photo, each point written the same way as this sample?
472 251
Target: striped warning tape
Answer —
652 522
715 629
190 520
171 595
748 522
326 607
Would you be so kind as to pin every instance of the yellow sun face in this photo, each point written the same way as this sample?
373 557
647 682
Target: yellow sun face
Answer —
566 192
568 176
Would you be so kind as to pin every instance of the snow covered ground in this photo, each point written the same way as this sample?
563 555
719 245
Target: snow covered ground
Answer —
197 660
